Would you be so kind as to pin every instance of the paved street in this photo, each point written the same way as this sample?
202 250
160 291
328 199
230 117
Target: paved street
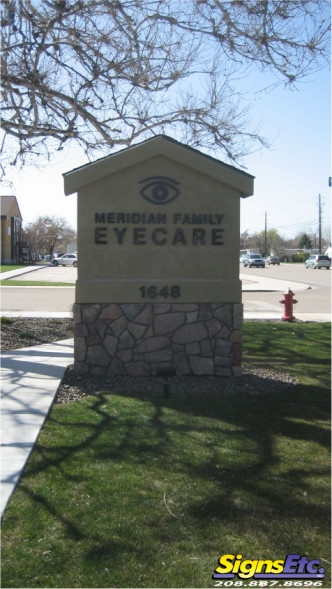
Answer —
56 300
37 298
262 290
312 288
293 272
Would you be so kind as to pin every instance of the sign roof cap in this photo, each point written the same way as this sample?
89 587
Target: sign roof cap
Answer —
159 145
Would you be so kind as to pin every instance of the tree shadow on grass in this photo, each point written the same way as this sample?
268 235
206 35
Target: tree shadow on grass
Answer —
231 446
304 348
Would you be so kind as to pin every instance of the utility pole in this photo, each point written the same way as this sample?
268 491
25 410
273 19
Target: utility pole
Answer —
265 234
319 224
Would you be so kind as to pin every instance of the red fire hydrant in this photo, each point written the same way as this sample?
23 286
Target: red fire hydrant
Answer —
288 301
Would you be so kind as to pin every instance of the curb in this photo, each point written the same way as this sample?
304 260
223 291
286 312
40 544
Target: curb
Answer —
38 315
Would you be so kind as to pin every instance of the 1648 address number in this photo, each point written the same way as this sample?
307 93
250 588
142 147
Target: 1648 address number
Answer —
152 292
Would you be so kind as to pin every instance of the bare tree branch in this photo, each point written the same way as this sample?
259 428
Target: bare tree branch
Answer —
104 73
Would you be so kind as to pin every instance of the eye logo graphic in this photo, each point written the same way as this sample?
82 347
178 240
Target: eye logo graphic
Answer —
159 190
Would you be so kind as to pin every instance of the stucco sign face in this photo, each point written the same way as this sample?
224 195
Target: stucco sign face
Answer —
159 224
155 227
158 287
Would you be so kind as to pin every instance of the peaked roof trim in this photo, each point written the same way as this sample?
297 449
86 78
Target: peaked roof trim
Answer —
6 203
158 145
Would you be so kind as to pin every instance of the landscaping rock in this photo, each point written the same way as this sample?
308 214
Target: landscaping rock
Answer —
77 384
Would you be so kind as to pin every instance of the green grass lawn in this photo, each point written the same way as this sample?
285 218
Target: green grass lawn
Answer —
135 490
8 267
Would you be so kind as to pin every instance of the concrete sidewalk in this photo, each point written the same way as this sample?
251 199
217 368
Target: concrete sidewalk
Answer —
258 314
19 271
255 283
30 380
274 315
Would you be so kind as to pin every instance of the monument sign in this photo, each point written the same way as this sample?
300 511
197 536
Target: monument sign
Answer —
158 262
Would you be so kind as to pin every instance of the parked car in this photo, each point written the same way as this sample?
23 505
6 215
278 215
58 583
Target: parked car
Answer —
57 255
66 260
273 260
318 261
254 260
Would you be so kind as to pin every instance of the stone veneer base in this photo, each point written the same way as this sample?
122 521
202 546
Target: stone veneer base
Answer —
142 339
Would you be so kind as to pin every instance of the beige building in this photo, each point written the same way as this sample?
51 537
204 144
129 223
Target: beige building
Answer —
11 230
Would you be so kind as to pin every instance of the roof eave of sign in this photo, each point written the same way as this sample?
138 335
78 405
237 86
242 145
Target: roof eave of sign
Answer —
159 145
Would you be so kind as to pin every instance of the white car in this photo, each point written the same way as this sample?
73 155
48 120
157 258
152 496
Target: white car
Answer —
66 260
318 261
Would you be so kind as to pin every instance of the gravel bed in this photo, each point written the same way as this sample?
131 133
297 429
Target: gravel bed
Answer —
22 332
253 381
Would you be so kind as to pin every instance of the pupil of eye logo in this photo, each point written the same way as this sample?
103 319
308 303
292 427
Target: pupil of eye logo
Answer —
159 190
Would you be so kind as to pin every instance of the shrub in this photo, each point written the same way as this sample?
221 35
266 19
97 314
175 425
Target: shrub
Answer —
6 320
301 257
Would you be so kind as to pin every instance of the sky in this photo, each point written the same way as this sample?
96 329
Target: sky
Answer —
289 175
